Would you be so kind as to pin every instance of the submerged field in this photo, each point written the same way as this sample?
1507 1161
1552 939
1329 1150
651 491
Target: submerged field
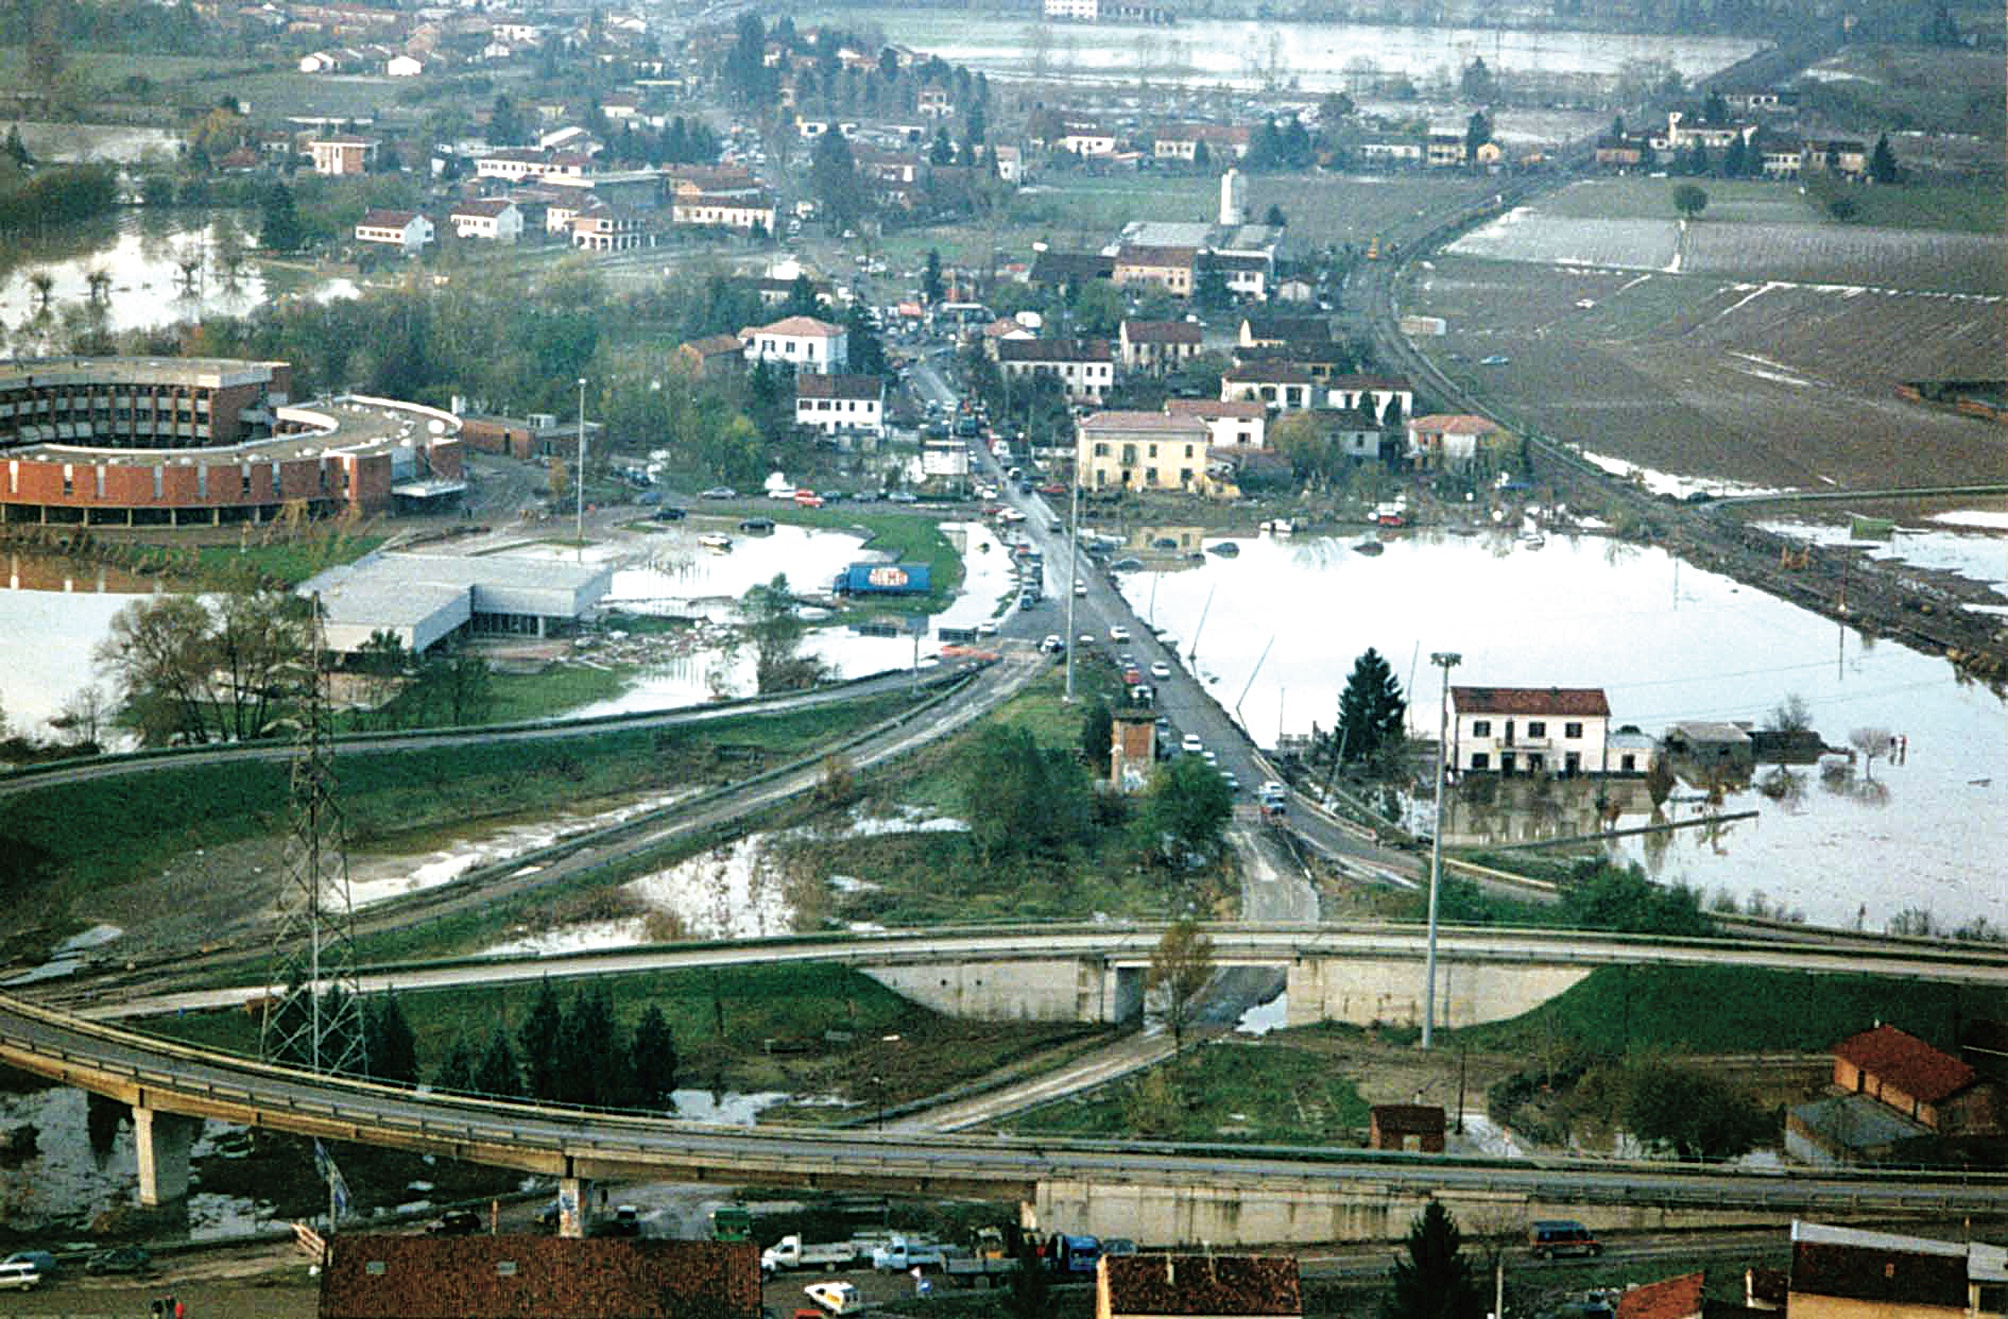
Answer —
1762 347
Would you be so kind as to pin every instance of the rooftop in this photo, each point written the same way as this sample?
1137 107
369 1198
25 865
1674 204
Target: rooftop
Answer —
1675 1298
1161 332
1881 1268
1585 701
1454 423
372 1276
1245 408
1156 422
1052 350
209 372
799 327
1265 1285
1901 1059
839 386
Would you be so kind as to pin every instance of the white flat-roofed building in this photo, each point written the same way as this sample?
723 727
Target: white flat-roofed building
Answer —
424 598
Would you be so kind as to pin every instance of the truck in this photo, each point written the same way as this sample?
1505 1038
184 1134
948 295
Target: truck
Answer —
986 1262
790 1252
901 1254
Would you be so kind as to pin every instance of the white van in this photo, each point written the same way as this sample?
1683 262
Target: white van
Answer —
19 1277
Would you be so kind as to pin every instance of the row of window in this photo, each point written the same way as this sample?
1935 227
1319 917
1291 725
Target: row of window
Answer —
1535 728
837 405
1572 763
201 481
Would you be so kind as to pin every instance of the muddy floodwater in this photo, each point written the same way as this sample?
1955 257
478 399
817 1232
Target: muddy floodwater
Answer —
1666 642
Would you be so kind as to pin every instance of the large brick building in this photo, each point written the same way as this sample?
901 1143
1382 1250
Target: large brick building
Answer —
178 441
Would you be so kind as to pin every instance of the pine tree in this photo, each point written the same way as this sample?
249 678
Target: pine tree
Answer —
597 1065
542 1043
456 1071
497 1073
1435 1280
930 278
1370 710
279 228
654 1059
866 348
1882 162
1097 736
389 1041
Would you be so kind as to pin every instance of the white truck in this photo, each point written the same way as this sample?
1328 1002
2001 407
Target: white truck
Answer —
901 1254
790 1253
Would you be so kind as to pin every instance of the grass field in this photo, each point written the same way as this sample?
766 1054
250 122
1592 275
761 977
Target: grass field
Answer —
1270 1092
811 1030
290 562
97 837
1684 1010
914 538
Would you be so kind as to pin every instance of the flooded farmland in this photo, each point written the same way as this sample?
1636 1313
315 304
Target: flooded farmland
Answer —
1667 643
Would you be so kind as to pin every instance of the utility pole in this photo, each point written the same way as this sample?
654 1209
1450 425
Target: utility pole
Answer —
1073 566
1445 660
579 523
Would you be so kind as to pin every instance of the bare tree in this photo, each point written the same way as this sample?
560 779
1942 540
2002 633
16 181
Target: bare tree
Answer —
1871 742
1791 715
1180 966
82 716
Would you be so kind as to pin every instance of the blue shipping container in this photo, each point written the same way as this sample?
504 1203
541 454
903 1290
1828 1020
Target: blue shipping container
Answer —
886 579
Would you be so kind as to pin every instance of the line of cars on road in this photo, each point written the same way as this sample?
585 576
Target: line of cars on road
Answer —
25 1270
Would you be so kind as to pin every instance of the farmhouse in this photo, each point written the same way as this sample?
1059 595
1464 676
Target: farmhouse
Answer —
1926 1085
1085 368
841 406
408 231
1440 441
337 157
1282 387
1535 730
1154 347
1141 451
1168 268
802 342
1240 424
495 219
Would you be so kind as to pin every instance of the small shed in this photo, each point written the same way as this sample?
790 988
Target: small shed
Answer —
1132 750
1711 744
1417 1128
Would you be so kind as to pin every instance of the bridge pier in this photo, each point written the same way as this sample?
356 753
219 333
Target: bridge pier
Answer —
574 1206
163 1140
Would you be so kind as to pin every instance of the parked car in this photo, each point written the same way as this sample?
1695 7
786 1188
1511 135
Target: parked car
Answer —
120 1259
669 513
835 1297
1119 633
1192 746
1052 645
903 497
44 1262
20 1277
720 492
987 628
1160 670
454 1223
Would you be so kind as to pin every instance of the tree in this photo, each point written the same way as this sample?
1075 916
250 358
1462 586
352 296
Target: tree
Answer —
1735 158
1608 897
1695 1114
833 179
865 346
1476 83
1371 710
82 718
1186 809
1689 200
654 1058
1275 217
1098 728
1872 743
1435 1280
930 278
279 223
496 1074
505 122
1477 132
541 1039
596 1063
456 1070
1020 799
1882 162
158 654
1791 715
942 150
776 632
389 1043
1202 158
1180 966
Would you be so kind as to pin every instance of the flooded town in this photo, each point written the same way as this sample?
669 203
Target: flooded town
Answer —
1159 659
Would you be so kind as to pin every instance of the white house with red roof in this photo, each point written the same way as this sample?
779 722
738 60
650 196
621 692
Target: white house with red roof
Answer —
1451 440
495 219
1528 730
1233 424
841 406
408 231
802 342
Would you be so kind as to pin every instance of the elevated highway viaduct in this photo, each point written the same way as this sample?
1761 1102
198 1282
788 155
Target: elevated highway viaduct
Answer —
1163 1194
1160 1193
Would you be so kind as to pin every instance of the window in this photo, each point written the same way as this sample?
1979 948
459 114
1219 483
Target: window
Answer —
1536 762
1481 728
1572 729
1572 763
1537 728
1628 763
1506 762
1481 760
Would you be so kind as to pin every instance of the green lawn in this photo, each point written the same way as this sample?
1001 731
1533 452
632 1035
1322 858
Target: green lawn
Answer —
1268 1092
287 562
1973 208
560 688
913 537
810 1029
1732 1010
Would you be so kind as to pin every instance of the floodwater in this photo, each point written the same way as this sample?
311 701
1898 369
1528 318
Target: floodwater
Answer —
122 144
1666 642
52 614
682 577
1308 57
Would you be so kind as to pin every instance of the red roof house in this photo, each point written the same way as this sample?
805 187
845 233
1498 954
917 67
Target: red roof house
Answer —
371 1276
1925 1084
1675 1298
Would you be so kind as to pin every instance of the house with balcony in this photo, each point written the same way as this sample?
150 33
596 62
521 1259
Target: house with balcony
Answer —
1528 730
1141 452
343 156
1085 368
1447 442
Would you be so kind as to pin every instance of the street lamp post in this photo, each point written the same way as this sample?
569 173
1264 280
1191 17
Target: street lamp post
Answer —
1073 566
579 521
1445 660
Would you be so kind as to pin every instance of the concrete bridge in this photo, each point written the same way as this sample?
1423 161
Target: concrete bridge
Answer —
1160 1193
